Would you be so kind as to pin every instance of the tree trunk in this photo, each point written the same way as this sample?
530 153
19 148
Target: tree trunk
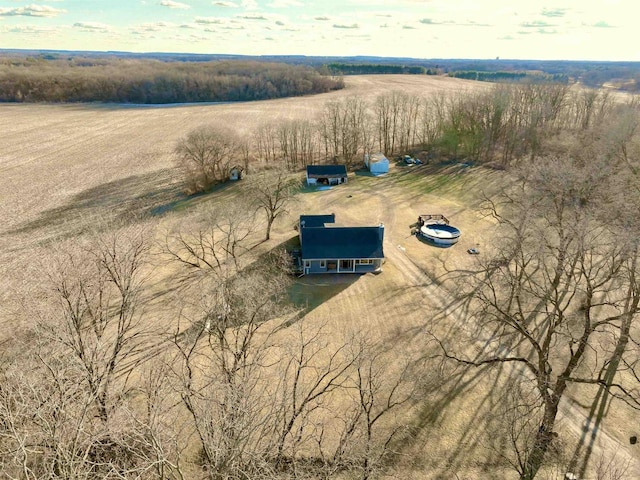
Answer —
270 220
544 437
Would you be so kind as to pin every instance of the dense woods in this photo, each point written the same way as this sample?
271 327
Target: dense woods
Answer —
78 79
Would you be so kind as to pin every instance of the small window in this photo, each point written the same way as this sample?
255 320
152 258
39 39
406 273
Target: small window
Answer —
307 264
323 264
366 261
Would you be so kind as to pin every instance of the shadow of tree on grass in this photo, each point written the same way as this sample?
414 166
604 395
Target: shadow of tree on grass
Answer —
117 201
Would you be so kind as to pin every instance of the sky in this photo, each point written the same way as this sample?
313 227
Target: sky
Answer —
515 29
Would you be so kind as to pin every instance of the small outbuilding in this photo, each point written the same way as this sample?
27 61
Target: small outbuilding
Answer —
236 173
377 163
326 174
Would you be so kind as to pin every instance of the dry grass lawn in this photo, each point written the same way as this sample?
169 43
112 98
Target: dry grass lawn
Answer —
64 167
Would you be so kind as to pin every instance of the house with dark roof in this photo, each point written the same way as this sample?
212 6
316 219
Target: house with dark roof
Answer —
330 249
326 174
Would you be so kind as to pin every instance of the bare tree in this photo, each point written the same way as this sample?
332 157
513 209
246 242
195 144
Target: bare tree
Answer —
562 284
345 129
222 360
222 350
266 142
205 155
217 248
388 109
298 143
310 371
65 409
97 308
382 386
271 192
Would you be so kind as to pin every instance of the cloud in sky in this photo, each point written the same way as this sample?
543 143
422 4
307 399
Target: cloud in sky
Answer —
537 24
208 20
172 4
153 27
322 18
226 4
31 11
602 24
252 17
469 23
429 21
554 12
541 31
92 27
32 30
340 25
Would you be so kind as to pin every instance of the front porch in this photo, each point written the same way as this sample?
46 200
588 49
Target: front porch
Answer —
343 265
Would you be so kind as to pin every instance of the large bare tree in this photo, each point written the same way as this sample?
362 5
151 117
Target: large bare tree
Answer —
558 297
271 192
205 156
68 409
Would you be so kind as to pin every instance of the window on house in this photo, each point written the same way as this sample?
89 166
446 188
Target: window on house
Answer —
323 264
307 264
366 261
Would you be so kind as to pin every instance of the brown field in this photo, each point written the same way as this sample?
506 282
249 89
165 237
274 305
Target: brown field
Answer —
63 167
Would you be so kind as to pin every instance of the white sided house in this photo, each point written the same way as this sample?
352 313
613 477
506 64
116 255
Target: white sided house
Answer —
326 174
377 163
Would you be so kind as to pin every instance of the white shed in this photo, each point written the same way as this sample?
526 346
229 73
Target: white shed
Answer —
377 163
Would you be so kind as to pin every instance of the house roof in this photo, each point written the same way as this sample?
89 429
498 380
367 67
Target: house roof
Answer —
311 221
342 242
378 157
326 170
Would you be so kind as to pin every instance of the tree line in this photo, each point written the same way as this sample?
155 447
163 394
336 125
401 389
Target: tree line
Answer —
499 126
375 68
501 76
77 79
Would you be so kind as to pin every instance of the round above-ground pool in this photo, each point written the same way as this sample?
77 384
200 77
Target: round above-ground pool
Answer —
440 234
